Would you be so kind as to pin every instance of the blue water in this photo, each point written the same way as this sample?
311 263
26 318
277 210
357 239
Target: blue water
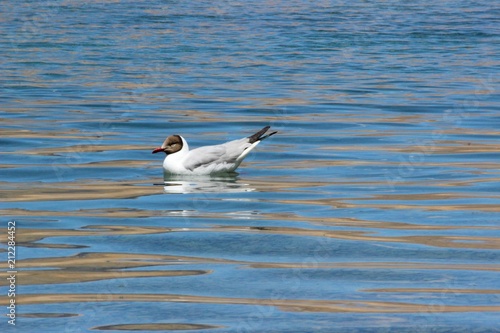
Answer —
374 209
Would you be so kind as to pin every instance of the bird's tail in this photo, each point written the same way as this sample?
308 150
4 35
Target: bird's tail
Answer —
260 135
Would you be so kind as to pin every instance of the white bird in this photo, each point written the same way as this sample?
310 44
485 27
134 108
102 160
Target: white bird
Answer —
208 160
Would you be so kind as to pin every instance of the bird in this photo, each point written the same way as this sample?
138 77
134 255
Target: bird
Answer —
207 160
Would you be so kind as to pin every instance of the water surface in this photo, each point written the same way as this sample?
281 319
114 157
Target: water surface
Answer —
375 208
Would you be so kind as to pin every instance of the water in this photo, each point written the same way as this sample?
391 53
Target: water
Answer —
375 208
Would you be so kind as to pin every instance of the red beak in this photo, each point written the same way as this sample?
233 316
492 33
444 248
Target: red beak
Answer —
157 150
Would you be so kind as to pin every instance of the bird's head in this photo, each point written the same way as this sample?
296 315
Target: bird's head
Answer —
172 144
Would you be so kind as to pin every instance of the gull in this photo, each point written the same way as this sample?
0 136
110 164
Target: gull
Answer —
207 160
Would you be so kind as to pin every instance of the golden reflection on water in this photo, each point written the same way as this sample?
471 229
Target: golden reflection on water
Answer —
105 261
433 238
379 265
339 203
123 212
293 305
87 267
84 148
80 276
30 237
61 191
75 191
107 266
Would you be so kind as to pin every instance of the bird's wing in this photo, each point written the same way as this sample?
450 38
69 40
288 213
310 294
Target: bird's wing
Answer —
203 156
219 154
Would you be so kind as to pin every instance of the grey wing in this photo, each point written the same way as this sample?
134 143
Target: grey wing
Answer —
225 153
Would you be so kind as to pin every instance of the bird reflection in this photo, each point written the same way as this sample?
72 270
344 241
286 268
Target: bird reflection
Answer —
228 183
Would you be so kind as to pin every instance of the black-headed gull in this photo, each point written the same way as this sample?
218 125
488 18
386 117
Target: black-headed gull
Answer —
207 160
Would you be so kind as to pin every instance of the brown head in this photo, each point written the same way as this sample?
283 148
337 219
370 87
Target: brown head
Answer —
171 145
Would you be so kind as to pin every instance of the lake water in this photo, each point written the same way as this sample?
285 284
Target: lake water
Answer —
374 209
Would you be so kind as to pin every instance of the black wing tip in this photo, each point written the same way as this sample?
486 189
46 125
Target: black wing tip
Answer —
260 135
272 133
